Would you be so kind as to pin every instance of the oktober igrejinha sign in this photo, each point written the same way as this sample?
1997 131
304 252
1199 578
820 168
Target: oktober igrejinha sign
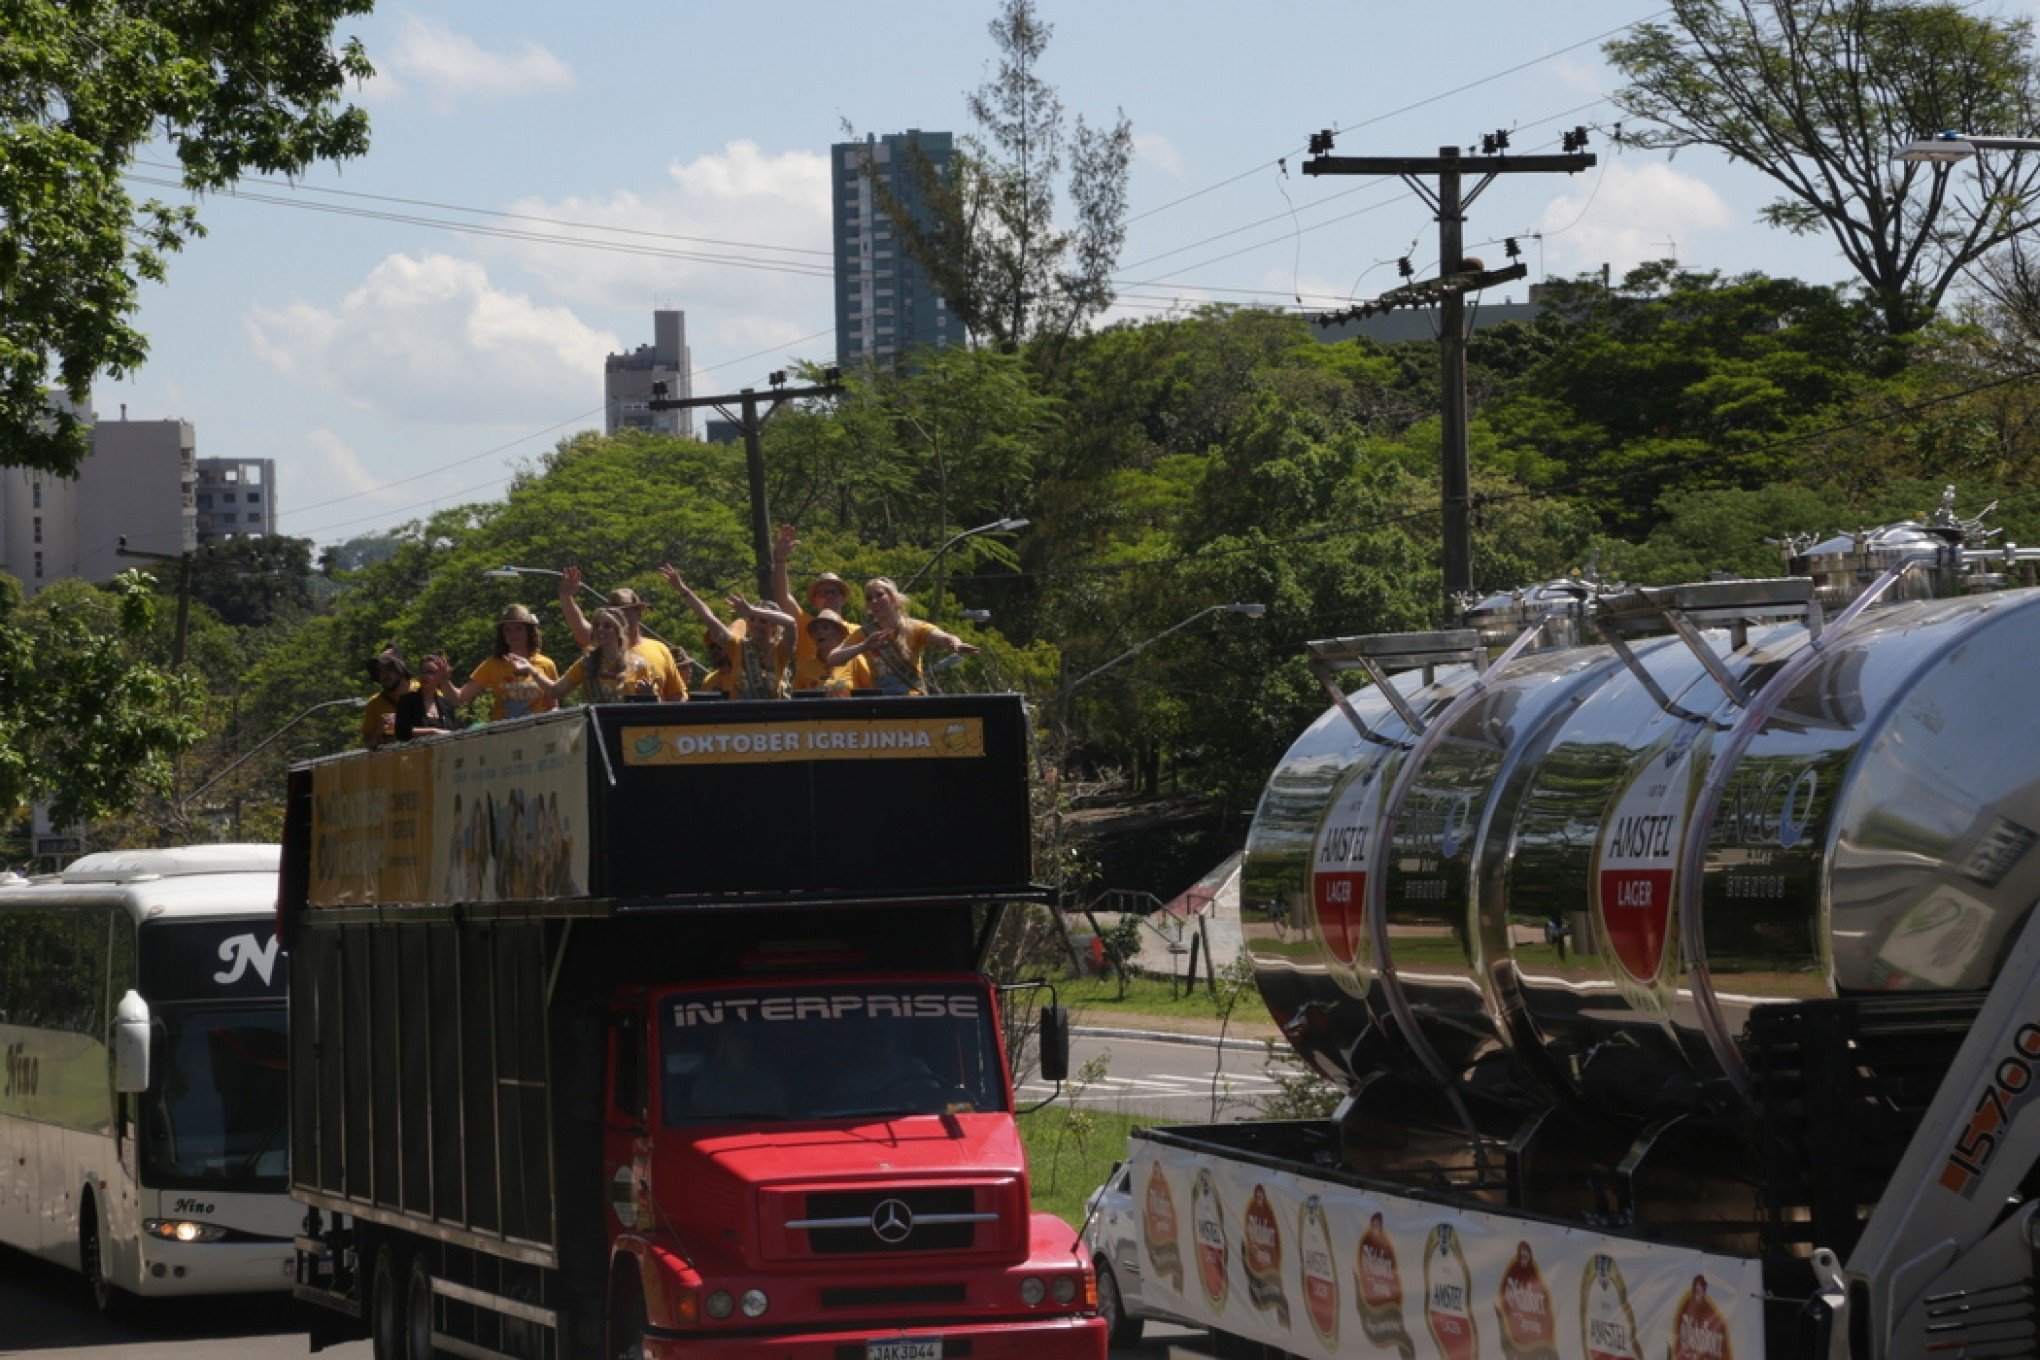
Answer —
751 743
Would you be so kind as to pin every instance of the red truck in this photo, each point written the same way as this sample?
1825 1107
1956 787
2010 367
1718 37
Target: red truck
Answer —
662 1030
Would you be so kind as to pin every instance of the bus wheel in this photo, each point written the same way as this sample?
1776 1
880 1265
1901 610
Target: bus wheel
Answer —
418 1311
92 1258
386 1308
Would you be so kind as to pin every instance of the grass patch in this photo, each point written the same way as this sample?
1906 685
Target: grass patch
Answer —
1095 998
1070 1152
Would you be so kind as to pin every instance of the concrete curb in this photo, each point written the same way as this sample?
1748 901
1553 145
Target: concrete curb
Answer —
1230 1043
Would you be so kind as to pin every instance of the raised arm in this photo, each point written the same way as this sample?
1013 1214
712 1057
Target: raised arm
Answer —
764 613
782 588
872 637
570 606
717 629
949 640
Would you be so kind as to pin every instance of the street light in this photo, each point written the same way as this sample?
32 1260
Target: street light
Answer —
509 573
997 526
242 759
1252 611
1949 148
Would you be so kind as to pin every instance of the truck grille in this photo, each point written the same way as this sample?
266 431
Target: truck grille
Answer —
842 1222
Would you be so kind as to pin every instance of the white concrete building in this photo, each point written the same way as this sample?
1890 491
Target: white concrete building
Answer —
136 483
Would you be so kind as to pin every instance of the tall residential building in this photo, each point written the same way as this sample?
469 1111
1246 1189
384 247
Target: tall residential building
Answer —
885 304
627 380
236 497
137 484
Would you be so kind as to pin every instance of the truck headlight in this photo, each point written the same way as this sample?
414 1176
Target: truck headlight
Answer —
720 1305
182 1230
1032 1291
754 1303
1064 1289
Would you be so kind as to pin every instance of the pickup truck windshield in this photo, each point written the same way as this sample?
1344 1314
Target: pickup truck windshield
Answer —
841 1051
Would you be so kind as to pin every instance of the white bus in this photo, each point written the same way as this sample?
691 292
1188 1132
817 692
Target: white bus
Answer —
143 1096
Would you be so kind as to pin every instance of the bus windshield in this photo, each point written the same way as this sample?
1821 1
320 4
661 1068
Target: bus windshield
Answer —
840 1051
218 1096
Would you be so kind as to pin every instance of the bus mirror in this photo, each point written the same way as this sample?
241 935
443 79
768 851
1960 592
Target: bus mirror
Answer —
1055 1043
131 1044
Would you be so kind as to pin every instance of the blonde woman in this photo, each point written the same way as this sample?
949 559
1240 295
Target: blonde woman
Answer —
610 671
893 642
759 644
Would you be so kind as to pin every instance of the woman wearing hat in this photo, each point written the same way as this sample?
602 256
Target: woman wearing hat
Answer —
894 642
392 680
514 689
826 632
610 671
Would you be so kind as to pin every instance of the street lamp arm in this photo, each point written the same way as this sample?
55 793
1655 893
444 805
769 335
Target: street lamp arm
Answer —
996 526
243 758
1253 611
509 573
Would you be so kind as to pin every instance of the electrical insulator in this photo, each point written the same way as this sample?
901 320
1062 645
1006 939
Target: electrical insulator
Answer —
1404 268
1510 248
1321 142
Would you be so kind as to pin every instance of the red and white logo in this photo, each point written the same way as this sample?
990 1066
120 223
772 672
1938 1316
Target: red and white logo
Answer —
1338 881
1636 862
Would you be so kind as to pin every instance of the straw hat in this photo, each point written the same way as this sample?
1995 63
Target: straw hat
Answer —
828 578
517 613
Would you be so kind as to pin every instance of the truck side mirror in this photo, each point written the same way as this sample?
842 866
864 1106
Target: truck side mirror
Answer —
1054 1036
131 1045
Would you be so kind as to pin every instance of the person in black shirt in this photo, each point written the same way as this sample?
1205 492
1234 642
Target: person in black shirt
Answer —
428 710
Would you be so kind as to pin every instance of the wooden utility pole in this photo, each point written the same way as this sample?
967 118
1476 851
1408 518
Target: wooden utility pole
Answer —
752 423
1456 277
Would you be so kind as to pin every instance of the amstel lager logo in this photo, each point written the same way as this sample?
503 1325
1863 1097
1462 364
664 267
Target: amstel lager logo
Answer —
1214 1252
1338 879
1634 884
1320 1271
1607 1322
1448 1295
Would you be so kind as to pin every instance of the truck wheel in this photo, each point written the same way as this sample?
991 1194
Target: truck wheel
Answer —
418 1311
627 1322
386 1307
1123 1330
99 1289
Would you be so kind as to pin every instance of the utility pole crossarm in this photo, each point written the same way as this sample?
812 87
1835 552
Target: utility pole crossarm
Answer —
777 394
1563 164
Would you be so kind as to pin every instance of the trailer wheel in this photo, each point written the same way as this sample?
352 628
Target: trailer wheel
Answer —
386 1307
1124 1330
418 1311
627 1320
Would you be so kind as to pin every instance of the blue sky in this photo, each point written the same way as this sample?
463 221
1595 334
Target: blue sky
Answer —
392 365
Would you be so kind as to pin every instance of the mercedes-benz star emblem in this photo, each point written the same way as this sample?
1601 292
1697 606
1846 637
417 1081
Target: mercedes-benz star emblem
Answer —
892 1222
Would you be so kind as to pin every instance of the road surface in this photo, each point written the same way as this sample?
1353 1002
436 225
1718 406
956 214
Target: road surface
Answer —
1164 1081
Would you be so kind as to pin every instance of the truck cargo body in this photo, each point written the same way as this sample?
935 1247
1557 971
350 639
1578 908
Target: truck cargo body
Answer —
625 1026
1676 956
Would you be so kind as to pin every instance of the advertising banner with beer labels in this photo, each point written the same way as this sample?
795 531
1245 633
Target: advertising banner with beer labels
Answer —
491 817
1297 1262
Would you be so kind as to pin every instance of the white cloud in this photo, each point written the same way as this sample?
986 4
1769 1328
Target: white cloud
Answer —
429 340
739 239
1151 148
339 468
1634 212
449 67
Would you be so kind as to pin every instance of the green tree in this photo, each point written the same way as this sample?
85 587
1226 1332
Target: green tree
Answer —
251 580
250 86
1820 95
86 725
988 237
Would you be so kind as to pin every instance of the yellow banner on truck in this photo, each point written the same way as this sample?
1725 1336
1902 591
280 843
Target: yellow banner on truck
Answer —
490 817
752 743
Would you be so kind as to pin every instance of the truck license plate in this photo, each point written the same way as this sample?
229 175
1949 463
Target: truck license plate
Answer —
926 1348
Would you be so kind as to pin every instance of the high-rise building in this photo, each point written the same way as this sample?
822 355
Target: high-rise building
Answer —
236 497
136 484
885 303
627 380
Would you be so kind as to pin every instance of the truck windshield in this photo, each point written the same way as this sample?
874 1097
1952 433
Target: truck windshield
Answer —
842 1051
214 1114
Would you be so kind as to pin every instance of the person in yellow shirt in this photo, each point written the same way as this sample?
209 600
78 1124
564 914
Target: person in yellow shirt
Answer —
610 672
760 643
827 632
512 692
826 592
894 643
392 681
671 679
